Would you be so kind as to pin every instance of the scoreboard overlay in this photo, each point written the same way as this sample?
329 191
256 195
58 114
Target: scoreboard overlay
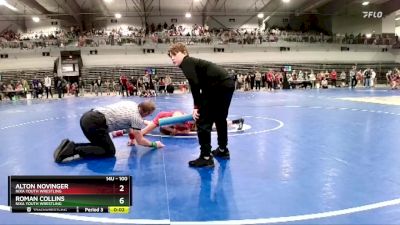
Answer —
73 194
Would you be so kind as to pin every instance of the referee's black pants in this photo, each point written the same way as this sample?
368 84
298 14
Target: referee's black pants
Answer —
94 126
214 109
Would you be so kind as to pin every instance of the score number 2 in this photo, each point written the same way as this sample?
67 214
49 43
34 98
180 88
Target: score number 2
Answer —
122 189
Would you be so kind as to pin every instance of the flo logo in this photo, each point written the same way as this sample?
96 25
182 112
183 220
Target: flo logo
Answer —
372 14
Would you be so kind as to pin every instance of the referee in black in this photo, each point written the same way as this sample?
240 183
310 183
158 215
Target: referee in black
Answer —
212 89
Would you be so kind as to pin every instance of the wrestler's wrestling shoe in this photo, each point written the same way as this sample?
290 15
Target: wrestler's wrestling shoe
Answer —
64 150
221 153
241 122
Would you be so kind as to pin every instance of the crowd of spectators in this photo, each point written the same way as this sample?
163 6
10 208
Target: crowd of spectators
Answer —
43 87
171 33
151 85
275 79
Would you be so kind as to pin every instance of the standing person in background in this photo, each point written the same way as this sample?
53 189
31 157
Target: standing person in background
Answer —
343 79
123 82
35 86
25 86
312 79
373 76
258 80
333 77
47 86
252 79
64 85
107 86
59 86
212 90
353 77
98 83
168 84
367 77
81 85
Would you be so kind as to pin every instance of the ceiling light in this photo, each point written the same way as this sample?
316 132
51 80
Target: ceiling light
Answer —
286 1
36 19
260 15
398 18
6 4
188 15
365 3
108 1
118 15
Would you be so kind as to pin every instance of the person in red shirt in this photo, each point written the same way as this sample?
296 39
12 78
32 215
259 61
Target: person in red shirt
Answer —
333 78
270 80
123 81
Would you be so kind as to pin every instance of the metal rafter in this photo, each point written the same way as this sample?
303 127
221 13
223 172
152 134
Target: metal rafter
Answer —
313 5
35 5
390 6
138 9
336 7
72 8
272 4
222 6
208 6
103 8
